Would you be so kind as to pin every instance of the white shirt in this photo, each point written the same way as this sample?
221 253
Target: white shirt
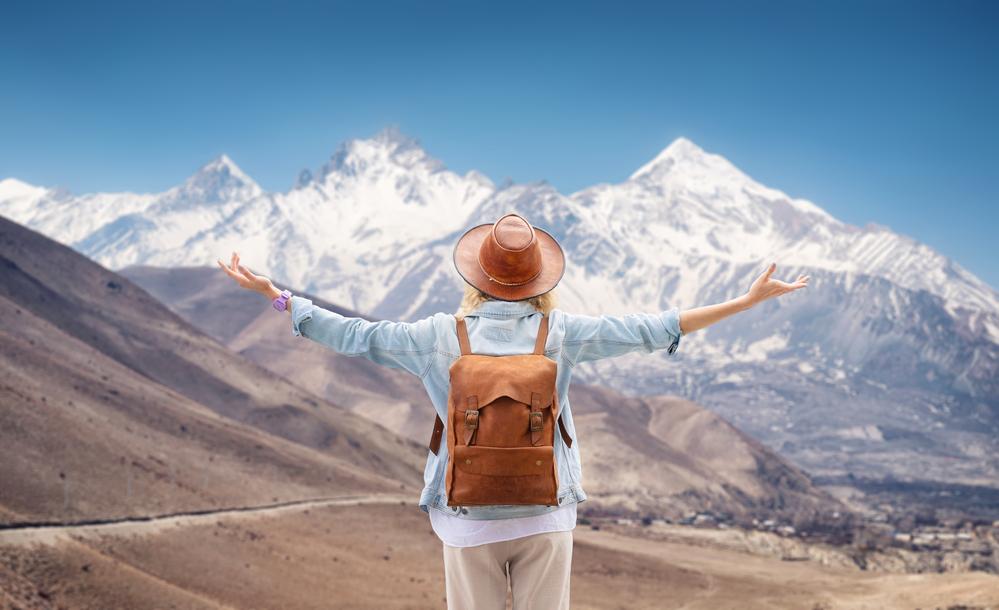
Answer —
455 531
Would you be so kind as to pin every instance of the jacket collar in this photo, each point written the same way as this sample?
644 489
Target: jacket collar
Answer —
504 309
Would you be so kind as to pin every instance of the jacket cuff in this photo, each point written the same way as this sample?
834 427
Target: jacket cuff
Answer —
671 320
301 311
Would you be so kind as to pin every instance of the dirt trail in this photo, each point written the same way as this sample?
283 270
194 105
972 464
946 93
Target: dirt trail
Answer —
50 533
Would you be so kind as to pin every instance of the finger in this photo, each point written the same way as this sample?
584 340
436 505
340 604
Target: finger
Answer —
232 262
799 280
769 271
228 271
246 271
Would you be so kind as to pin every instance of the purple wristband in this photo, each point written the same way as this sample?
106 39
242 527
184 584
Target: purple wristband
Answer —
280 302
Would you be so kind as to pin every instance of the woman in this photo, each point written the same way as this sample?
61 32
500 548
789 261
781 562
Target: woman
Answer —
510 269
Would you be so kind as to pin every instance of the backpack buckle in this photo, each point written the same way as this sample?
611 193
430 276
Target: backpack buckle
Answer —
537 421
472 418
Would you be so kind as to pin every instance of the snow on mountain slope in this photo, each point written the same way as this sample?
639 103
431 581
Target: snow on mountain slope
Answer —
19 198
117 229
221 180
347 231
689 203
377 200
889 334
373 202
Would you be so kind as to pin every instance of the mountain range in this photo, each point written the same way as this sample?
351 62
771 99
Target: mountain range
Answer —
886 365
114 405
701 461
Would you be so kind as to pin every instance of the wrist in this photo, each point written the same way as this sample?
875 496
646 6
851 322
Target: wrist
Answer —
271 292
745 301
281 301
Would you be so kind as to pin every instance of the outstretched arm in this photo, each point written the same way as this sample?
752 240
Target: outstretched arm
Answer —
763 288
606 336
403 345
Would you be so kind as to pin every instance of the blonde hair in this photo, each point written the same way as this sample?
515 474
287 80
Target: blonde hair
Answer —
474 297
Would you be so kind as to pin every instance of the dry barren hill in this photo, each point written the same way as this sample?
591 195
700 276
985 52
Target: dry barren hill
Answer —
660 455
112 405
386 557
248 325
667 456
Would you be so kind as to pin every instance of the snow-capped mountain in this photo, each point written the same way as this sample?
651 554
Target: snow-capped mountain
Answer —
887 363
693 204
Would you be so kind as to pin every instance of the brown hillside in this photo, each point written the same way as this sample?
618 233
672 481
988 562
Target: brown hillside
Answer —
112 405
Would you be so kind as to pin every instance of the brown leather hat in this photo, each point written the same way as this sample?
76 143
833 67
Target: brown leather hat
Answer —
509 259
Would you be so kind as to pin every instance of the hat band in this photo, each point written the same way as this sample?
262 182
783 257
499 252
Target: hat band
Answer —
478 259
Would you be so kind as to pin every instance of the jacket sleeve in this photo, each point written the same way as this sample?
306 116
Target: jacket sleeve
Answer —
409 346
594 337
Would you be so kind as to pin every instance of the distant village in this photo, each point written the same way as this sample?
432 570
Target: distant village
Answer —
878 542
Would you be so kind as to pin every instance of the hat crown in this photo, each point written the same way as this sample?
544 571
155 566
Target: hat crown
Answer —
510 259
513 232
510 253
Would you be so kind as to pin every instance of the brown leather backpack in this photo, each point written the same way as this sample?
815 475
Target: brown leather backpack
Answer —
501 433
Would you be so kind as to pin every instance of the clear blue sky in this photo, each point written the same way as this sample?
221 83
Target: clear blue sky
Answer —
877 111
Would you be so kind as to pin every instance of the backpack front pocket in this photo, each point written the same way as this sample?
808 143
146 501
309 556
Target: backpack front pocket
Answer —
503 475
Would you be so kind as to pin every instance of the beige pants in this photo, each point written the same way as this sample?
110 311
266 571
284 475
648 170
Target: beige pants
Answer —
537 566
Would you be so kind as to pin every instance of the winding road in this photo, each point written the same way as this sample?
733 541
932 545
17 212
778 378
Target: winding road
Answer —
50 533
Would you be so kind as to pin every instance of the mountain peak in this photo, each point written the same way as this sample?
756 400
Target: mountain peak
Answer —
685 156
24 195
680 151
388 147
12 187
218 180
682 147
224 165
393 136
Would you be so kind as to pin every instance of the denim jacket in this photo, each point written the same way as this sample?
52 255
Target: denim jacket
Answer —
426 348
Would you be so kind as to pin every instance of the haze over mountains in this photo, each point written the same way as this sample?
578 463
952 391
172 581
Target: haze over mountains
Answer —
887 364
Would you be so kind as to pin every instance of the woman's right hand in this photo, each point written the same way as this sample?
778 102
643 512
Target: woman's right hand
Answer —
246 278
766 287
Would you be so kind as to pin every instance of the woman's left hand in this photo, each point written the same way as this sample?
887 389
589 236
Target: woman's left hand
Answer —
246 278
765 287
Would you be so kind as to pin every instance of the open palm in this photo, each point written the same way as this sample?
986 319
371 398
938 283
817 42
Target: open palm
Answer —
766 287
244 277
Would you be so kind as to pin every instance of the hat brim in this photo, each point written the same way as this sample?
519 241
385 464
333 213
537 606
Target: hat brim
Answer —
466 261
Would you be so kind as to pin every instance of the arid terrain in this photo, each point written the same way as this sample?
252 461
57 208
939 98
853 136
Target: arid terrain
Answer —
386 556
113 406
145 463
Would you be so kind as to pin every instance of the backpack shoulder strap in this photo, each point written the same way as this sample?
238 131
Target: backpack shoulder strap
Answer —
539 344
462 336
